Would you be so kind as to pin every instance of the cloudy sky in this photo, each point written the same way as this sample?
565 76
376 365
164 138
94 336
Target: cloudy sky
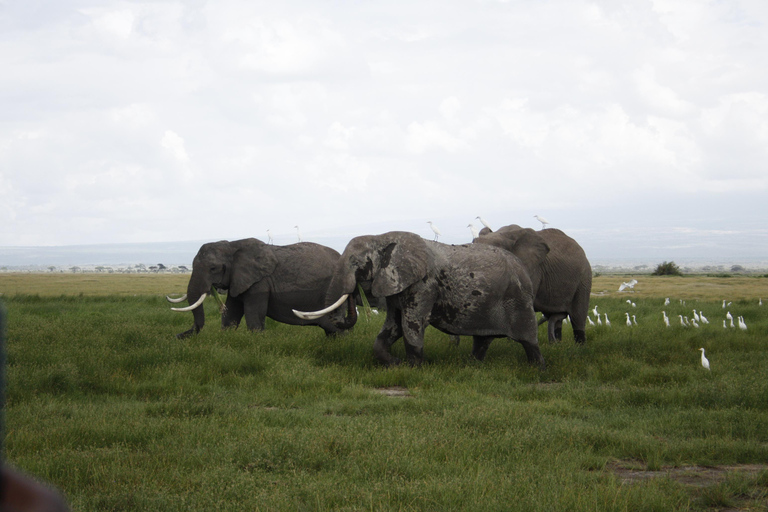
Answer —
640 127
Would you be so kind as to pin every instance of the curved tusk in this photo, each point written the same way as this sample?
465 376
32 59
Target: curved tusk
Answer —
313 315
193 306
176 301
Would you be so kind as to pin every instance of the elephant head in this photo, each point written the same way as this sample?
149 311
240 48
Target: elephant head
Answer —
233 266
525 243
384 264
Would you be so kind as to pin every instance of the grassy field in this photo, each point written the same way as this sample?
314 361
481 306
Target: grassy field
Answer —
106 404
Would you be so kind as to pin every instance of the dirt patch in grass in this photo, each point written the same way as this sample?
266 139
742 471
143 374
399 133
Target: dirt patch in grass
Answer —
695 476
394 391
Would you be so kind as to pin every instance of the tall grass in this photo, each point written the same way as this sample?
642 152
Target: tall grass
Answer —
106 404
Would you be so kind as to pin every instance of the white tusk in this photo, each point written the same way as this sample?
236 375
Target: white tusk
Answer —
193 306
312 315
176 301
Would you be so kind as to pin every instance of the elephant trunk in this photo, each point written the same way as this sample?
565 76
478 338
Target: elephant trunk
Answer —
351 319
197 290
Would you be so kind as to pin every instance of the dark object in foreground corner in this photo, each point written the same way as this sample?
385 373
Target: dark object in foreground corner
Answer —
18 492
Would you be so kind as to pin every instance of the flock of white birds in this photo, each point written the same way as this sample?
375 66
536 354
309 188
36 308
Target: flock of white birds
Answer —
696 321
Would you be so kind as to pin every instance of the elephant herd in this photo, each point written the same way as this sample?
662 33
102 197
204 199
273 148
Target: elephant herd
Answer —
487 289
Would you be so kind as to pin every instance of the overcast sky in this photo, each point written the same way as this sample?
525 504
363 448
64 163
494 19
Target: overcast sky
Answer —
628 124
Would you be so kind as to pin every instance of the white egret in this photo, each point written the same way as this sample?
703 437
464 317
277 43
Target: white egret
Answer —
630 285
298 233
687 323
682 322
599 322
666 301
704 360
703 318
434 230
725 324
269 236
629 301
590 320
634 320
474 231
723 304
695 315
729 317
594 312
742 324
666 318
629 322
483 222
607 322
760 302
543 221
695 324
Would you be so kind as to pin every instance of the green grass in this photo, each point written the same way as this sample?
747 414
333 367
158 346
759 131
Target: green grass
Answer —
106 404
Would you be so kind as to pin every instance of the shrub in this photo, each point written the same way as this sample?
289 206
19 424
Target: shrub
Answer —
667 269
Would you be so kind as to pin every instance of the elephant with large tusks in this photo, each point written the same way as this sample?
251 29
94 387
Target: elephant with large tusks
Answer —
562 281
264 281
474 289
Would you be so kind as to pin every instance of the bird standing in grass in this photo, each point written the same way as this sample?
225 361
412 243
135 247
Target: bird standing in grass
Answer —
666 318
704 360
607 322
629 322
434 230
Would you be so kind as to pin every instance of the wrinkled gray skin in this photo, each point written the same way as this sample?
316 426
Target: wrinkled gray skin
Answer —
474 290
562 281
266 281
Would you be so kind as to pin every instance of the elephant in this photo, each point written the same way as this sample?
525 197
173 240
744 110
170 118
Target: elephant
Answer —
262 281
562 281
475 290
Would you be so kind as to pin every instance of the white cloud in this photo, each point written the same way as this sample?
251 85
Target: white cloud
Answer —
493 108
175 144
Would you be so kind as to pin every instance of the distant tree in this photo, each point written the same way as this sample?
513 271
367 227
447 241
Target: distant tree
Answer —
160 266
183 268
667 269
75 269
737 268
51 268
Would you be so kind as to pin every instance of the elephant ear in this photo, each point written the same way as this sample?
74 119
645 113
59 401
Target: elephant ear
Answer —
253 261
403 261
531 249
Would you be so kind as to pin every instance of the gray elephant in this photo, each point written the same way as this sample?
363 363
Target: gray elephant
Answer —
262 281
562 281
474 290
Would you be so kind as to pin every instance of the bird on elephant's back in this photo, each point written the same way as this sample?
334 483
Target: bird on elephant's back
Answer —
562 281
264 280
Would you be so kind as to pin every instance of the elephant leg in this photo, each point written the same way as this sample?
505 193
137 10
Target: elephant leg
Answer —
555 327
480 346
255 308
233 313
389 334
533 353
413 336
580 336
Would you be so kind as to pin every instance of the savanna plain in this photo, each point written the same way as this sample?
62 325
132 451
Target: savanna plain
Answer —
107 405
